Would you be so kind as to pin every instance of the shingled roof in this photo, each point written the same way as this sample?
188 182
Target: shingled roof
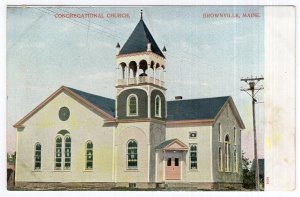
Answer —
138 40
195 109
106 104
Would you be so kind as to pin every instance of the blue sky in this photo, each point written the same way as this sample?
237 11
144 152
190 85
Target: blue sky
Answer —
206 56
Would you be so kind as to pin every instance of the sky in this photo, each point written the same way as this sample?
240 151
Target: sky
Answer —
206 57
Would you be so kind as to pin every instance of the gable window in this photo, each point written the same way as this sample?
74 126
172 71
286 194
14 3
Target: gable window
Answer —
220 159
132 154
132 105
89 155
58 153
157 106
37 156
220 132
227 154
193 156
193 134
67 153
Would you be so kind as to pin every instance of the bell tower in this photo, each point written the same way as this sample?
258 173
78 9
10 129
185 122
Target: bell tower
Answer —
140 77
140 105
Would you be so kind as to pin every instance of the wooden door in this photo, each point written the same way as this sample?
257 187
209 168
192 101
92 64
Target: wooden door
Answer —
173 168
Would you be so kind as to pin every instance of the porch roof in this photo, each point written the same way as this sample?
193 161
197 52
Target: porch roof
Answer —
172 144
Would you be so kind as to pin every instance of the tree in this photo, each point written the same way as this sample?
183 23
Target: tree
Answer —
248 174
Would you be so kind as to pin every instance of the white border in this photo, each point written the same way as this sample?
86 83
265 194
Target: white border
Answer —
4 3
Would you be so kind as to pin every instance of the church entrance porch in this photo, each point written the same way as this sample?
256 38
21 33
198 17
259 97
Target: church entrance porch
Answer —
172 160
173 165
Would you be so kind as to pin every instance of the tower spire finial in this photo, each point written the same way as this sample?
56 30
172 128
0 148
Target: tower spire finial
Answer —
141 14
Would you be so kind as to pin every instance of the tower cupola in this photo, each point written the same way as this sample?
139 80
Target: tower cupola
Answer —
140 60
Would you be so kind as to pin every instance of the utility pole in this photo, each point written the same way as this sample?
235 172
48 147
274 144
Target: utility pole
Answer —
254 89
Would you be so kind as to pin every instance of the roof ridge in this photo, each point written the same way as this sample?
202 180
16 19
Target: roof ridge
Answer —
199 98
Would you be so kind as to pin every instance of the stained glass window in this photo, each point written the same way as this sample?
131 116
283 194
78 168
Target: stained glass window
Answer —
89 155
67 165
193 156
58 153
37 156
132 154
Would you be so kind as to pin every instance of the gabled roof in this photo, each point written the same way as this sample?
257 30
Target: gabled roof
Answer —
195 109
106 104
104 107
138 40
206 109
172 144
200 109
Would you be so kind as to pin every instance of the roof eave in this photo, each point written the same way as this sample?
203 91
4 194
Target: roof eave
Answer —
198 122
235 112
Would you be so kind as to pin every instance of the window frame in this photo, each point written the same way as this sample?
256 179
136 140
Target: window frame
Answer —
36 156
128 108
127 155
227 154
56 152
157 112
64 145
65 152
190 156
87 160
220 132
191 132
236 164
220 159
234 135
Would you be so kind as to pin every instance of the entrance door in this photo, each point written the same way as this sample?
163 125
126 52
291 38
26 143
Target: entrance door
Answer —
173 168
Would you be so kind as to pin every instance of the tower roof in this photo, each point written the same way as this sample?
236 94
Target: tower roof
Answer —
138 40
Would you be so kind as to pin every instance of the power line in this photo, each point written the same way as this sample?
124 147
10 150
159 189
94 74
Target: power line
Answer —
180 57
174 55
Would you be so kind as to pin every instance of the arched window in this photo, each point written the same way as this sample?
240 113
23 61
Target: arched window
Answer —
67 165
193 156
37 156
89 155
157 106
58 153
220 132
235 161
132 154
227 154
132 105
220 159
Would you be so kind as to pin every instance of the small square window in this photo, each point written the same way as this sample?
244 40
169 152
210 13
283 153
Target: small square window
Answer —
193 134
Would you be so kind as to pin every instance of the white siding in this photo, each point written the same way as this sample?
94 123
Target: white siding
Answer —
204 159
83 125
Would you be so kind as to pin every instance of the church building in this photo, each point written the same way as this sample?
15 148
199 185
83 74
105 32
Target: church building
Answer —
137 140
